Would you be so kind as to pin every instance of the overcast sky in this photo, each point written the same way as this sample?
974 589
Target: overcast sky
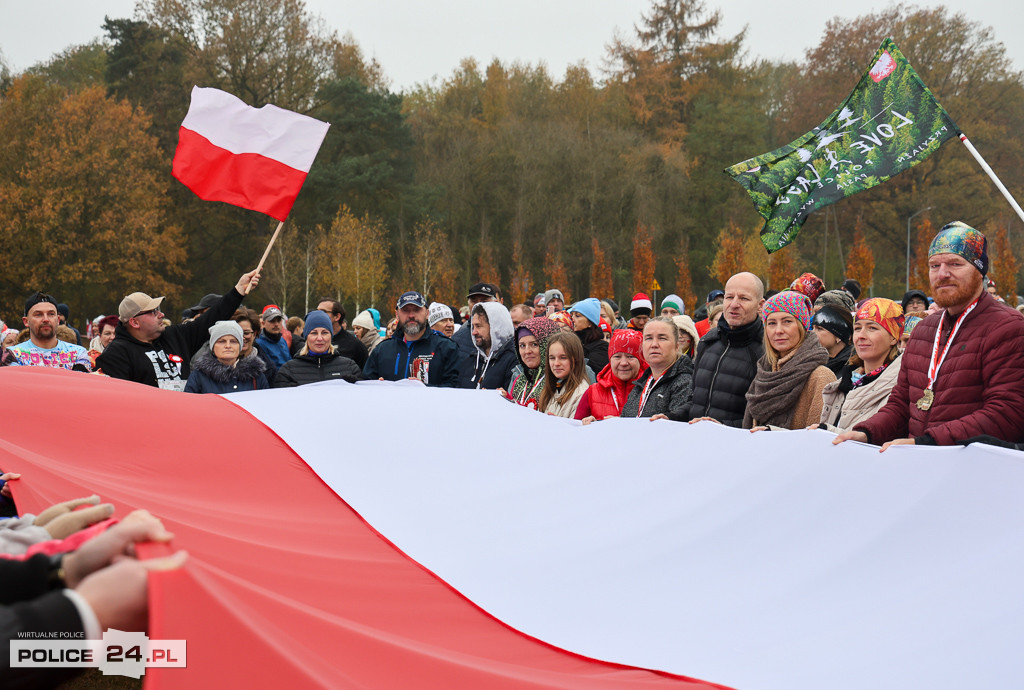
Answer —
416 41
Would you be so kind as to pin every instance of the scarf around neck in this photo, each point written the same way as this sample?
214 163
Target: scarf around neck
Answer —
771 399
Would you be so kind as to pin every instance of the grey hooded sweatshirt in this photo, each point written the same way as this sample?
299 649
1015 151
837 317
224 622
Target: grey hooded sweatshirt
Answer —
494 369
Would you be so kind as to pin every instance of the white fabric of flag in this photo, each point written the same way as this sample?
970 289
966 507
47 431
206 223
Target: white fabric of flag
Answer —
760 561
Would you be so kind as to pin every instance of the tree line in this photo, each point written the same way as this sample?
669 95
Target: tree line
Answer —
596 182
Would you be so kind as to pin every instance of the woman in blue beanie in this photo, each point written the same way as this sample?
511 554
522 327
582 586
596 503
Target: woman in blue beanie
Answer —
586 321
318 360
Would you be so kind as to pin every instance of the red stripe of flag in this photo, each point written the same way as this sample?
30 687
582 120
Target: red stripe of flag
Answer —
286 585
243 179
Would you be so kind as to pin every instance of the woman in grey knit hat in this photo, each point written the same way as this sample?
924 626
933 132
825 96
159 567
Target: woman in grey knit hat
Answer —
223 369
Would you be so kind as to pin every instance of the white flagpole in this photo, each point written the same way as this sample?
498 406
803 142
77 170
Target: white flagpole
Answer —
991 174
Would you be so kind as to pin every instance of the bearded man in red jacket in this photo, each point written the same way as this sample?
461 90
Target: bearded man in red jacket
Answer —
963 370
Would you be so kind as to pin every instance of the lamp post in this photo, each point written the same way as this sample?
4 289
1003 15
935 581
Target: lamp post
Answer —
927 208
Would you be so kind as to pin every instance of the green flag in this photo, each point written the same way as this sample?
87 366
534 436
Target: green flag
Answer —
889 123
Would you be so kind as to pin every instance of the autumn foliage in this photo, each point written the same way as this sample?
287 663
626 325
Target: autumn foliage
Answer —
352 260
555 273
508 158
487 269
83 195
782 268
600 274
729 259
684 281
520 289
919 258
860 262
756 258
1004 265
643 260
433 273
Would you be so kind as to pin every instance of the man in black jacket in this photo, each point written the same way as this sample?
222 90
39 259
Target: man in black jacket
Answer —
727 355
415 351
145 351
347 344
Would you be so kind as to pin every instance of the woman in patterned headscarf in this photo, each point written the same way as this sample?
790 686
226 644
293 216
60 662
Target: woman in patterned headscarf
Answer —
532 338
786 390
865 383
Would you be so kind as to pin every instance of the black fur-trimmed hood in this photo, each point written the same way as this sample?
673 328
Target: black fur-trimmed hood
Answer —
247 368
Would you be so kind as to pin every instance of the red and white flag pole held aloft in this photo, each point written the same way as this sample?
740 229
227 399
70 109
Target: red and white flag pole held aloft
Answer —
256 158
985 166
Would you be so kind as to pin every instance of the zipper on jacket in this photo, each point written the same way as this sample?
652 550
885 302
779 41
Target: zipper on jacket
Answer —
408 356
714 376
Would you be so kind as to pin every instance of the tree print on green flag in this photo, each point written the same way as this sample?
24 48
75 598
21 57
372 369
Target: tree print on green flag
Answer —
889 123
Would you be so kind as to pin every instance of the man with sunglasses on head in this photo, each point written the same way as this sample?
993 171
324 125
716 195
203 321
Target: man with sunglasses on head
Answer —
146 351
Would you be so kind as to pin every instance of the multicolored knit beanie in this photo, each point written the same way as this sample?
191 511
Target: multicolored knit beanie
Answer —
963 240
791 302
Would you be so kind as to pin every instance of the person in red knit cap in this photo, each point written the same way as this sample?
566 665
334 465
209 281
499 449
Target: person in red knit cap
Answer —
607 397
640 311
810 285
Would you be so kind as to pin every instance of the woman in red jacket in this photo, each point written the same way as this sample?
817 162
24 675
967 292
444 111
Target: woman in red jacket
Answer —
606 397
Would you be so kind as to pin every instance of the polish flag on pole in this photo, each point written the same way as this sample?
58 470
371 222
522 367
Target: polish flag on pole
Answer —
256 158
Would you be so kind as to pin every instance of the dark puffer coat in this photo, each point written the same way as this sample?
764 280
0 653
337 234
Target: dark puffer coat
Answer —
670 395
209 375
726 364
310 368
596 354
980 387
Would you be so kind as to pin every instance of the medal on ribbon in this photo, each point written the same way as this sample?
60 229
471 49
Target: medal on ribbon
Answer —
926 400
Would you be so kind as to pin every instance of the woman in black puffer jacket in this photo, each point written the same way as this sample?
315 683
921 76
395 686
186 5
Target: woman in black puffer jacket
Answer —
663 391
318 360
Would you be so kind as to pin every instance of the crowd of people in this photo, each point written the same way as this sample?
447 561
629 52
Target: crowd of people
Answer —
939 369
804 357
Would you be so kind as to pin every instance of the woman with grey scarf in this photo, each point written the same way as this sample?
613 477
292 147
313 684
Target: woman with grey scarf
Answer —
786 391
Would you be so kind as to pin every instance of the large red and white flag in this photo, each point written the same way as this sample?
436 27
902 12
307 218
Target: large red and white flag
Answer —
333 539
256 158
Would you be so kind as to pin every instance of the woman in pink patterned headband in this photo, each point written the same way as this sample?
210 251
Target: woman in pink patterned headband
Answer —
786 390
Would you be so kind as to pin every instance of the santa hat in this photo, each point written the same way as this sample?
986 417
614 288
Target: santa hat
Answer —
641 305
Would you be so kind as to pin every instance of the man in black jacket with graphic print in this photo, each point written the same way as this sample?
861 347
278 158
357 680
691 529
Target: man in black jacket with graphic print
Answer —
145 351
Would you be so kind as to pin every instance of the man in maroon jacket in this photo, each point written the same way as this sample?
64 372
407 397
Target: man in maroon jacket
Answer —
963 369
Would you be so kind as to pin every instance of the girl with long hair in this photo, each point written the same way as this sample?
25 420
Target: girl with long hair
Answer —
565 377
